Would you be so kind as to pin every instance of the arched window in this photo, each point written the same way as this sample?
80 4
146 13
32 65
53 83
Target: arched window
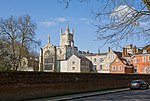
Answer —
48 60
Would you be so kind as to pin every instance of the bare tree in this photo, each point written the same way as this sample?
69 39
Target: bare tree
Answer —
9 31
19 34
119 21
26 34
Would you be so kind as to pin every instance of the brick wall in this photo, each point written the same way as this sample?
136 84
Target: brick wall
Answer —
30 85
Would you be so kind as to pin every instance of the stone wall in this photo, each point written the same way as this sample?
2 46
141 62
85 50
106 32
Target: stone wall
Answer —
29 85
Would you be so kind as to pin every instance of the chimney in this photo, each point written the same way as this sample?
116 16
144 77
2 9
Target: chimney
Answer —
123 52
98 51
134 50
108 49
88 52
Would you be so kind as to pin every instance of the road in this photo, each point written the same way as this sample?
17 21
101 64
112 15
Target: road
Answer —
132 95
126 95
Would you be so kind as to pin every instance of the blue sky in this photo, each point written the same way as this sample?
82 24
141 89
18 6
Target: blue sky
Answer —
50 16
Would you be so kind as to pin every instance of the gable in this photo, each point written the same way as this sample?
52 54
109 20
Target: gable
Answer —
117 61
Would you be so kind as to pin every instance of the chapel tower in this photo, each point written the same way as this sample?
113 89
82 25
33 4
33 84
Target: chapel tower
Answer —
66 38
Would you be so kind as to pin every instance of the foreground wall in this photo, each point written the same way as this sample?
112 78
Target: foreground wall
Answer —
30 85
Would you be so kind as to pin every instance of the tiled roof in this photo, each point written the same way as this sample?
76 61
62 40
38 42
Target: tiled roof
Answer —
124 61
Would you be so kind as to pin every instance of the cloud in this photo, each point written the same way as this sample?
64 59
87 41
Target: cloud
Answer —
84 20
58 20
123 12
48 23
61 19
53 22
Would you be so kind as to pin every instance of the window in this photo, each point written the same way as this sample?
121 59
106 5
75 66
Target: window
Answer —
148 69
48 67
108 57
135 69
135 60
120 68
94 66
100 67
73 68
144 69
48 60
94 59
144 58
101 59
149 58
73 62
114 68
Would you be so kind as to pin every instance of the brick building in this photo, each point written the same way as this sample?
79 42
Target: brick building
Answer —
141 61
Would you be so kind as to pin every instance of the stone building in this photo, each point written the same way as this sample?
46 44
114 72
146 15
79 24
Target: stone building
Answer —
78 64
50 54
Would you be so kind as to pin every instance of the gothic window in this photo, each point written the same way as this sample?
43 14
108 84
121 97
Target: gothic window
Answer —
48 57
48 60
48 67
47 53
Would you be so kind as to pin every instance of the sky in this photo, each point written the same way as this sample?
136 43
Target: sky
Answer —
51 15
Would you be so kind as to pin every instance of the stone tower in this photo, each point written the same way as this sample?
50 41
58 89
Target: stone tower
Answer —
66 38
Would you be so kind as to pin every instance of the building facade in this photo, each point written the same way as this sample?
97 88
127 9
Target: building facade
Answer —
78 64
141 61
51 54
121 66
108 60
96 59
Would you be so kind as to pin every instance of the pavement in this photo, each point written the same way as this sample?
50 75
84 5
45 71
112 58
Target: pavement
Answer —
82 95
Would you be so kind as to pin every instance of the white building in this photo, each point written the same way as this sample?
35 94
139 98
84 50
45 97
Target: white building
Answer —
110 57
77 64
96 59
